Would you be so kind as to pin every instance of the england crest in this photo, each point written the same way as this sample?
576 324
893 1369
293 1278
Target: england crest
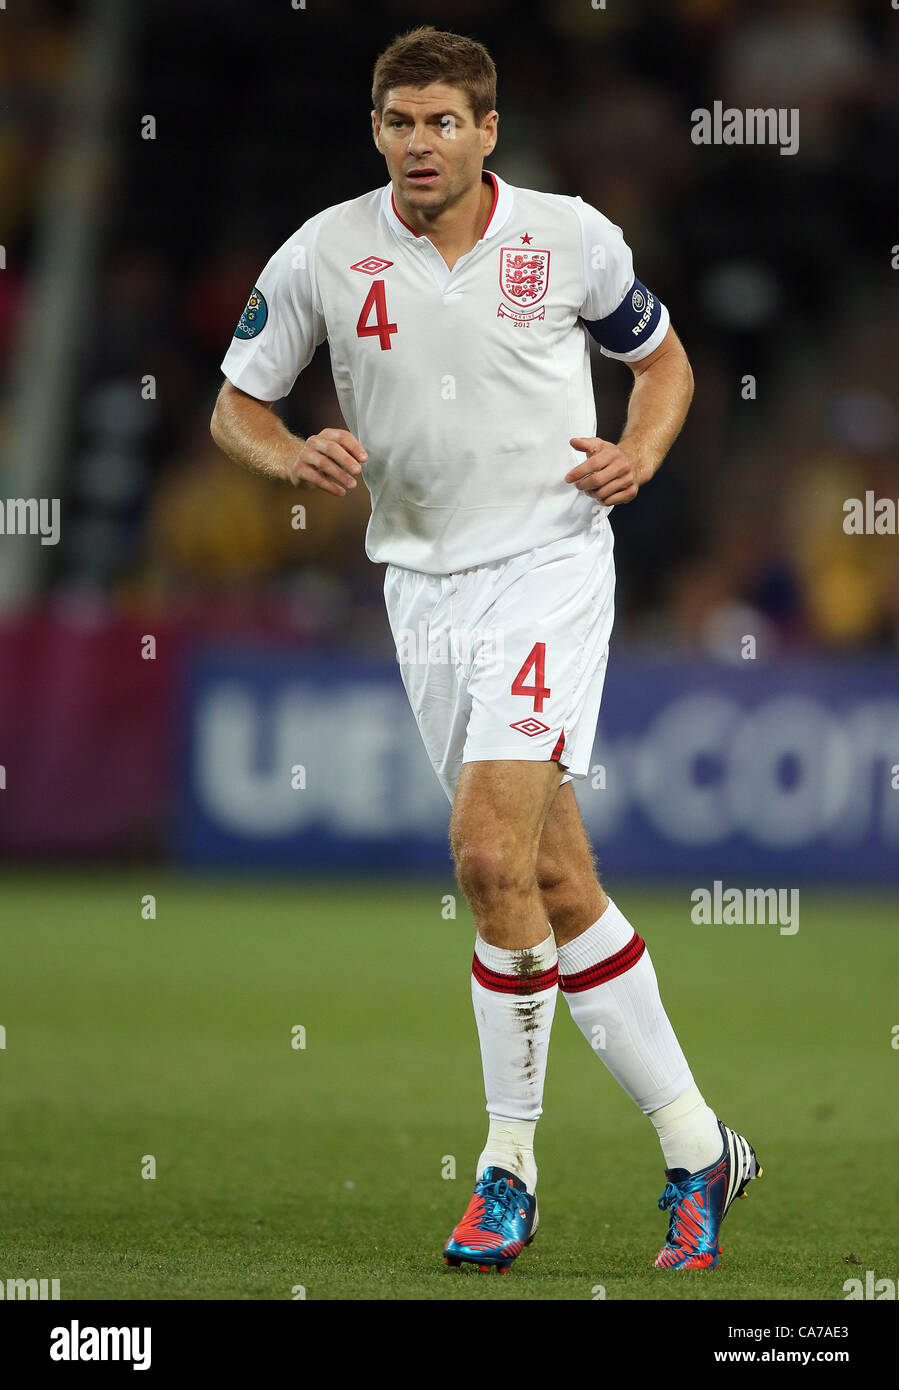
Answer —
523 275
523 279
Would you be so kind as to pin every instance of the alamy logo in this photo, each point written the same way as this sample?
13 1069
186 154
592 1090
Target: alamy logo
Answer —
77 1343
873 1288
451 647
871 516
755 126
31 516
29 1288
735 906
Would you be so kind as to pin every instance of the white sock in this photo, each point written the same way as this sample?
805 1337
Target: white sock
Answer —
514 998
611 988
510 1145
688 1132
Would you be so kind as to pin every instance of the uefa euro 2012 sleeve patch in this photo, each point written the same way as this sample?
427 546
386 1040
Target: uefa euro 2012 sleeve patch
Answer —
252 320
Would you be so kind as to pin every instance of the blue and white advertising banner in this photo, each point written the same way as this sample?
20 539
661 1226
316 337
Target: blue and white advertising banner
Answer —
303 761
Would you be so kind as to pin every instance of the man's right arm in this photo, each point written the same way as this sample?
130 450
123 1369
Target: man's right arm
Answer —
250 433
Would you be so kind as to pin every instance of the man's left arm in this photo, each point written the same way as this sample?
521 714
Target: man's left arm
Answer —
663 388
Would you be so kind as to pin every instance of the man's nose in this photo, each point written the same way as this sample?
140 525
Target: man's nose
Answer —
419 141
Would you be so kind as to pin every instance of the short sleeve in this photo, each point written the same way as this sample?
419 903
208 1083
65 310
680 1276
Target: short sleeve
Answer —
282 324
626 319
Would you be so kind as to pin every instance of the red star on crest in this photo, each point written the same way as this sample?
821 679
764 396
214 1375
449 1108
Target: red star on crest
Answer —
527 239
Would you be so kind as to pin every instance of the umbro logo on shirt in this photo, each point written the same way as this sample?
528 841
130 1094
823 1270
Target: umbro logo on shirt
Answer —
371 265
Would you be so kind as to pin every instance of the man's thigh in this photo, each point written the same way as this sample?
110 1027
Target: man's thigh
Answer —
500 807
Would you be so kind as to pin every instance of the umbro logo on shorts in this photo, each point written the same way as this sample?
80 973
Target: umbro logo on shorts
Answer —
530 727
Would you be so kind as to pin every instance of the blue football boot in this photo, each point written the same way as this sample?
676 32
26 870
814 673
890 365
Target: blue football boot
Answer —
500 1220
697 1203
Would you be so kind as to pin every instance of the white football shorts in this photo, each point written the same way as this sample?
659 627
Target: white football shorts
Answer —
508 660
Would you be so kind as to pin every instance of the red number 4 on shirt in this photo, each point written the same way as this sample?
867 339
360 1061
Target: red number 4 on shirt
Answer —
536 658
376 300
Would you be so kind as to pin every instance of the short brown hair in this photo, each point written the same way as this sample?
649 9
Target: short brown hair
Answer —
425 55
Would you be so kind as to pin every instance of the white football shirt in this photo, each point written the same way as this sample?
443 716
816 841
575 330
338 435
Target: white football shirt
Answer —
463 385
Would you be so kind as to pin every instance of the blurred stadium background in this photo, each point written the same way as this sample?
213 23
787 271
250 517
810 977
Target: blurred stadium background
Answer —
128 261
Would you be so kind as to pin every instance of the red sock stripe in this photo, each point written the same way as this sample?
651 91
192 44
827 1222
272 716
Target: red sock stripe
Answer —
513 984
605 970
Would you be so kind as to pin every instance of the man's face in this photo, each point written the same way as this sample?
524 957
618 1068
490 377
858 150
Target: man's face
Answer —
433 148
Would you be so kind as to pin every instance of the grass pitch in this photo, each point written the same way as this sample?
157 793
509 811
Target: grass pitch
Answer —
321 1166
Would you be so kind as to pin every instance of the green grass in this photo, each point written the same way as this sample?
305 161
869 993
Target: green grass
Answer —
322 1167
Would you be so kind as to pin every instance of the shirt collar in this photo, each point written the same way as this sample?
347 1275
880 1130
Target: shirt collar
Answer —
499 214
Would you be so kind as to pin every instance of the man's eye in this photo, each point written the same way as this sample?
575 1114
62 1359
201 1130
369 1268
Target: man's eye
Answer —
396 123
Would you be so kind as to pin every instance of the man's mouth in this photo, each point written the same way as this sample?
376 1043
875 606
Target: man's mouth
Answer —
422 175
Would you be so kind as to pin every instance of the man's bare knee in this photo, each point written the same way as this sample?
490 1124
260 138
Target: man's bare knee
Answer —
499 809
488 874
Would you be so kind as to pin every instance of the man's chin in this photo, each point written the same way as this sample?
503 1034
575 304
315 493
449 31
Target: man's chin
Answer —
429 193
428 199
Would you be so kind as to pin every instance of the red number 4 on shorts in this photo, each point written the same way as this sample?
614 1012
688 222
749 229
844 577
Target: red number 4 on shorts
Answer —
536 658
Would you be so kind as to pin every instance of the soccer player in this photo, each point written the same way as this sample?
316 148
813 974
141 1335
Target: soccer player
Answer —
457 310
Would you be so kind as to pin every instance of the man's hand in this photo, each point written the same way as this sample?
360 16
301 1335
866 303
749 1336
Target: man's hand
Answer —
607 474
328 460
248 431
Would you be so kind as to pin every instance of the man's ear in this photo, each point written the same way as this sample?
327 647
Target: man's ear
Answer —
491 132
374 130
